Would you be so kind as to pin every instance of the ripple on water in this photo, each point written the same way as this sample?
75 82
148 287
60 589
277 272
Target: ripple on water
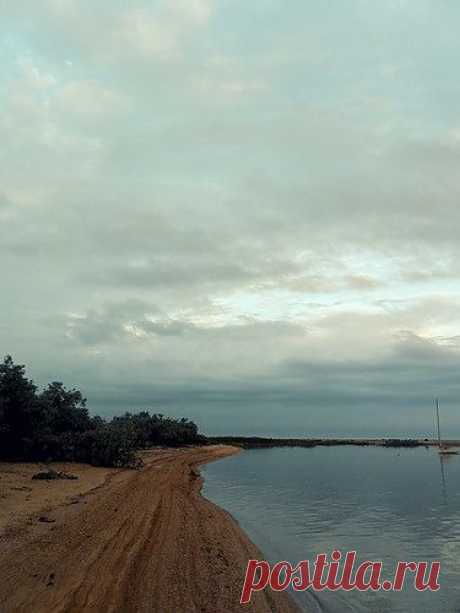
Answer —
387 504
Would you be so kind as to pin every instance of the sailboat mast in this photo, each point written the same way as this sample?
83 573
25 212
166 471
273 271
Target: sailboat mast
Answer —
437 418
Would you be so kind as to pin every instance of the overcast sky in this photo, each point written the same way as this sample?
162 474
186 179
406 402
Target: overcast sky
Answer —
244 212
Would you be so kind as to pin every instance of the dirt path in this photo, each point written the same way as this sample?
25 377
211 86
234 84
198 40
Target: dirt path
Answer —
144 541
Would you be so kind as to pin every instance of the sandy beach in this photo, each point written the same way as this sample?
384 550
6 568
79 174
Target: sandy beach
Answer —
123 540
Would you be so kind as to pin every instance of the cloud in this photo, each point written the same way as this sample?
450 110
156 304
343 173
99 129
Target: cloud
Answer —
107 324
89 98
108 33
198 212
144 34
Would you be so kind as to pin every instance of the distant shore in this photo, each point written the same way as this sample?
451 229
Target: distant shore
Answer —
124 541
257 442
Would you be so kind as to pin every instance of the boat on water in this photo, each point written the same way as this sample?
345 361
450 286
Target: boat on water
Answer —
443 449
447 451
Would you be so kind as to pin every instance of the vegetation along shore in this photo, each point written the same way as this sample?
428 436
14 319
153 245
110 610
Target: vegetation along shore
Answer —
258 442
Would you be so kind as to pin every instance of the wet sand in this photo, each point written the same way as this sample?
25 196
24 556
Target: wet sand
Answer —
123 541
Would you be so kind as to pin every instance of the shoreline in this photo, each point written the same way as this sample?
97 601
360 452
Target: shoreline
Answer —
137 541
260 442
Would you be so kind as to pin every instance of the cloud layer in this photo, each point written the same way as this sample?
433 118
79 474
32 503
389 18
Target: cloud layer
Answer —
244 214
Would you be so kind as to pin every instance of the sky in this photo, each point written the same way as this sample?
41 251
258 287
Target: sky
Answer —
242 212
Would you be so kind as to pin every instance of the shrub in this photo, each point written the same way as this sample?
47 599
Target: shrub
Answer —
55 425
106 446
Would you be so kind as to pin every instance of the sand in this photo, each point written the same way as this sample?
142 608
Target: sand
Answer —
124 541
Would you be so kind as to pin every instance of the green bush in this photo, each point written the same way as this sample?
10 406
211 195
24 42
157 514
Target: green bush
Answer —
106 446
55 425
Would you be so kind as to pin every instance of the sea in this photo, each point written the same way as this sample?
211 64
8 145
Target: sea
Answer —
387 504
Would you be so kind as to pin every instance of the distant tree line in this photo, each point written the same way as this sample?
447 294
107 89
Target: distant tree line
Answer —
55 424
259 442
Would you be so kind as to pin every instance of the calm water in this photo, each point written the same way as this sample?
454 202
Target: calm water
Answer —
388 504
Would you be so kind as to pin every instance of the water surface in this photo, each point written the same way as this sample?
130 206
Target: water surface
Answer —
388 504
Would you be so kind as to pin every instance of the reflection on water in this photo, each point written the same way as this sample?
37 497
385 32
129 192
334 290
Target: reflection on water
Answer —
443 460
388 504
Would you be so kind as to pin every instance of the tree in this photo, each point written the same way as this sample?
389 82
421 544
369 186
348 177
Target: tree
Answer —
63 410
19 411
55 425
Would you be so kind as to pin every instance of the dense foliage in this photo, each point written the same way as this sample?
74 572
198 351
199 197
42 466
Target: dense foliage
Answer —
55 424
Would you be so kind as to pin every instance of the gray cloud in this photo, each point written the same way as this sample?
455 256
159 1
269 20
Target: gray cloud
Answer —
246 224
